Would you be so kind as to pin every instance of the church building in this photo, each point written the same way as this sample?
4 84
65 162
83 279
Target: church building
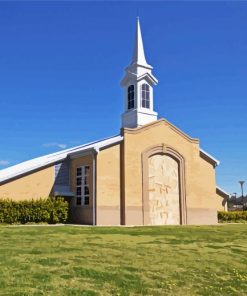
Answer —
152 173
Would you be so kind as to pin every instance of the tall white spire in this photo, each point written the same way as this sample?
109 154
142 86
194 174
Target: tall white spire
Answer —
138 54
138 84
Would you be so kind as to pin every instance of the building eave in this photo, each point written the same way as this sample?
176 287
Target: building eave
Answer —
150 77
133 76
50 159
222 192
208 157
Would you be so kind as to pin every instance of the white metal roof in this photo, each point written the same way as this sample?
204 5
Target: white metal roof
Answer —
36 163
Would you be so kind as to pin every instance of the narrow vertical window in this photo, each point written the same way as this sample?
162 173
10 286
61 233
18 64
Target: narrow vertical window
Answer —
145 96
82 185
131 96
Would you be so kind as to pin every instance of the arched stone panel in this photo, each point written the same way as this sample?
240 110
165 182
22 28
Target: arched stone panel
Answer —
163 186
163 190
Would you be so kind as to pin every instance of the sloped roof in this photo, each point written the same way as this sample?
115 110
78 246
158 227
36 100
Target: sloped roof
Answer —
43 161
39 162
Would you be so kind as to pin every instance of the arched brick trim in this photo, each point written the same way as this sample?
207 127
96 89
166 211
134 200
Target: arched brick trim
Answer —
169 151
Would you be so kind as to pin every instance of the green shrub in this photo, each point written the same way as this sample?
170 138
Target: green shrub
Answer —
237 216
49 210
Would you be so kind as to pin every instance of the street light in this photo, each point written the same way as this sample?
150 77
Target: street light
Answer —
242 191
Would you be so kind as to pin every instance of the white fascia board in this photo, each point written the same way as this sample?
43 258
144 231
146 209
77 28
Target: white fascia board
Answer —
152 79
39 162
108 142
223 191
95 147
27 166
210 156
81 153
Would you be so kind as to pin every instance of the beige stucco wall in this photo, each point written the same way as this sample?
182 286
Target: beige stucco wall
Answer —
108 186
221 202
119 179
199 174
34 185
81 214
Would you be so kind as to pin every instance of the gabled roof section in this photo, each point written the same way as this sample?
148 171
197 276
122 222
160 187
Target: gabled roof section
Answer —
158 122
43 161
206 156
149 76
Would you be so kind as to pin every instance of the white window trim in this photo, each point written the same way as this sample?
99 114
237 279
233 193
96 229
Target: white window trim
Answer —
145 99
82 186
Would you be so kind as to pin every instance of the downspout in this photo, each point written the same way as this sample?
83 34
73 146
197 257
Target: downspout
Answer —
96 151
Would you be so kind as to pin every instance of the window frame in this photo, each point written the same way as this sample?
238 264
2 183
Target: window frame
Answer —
145 96
82 174
131 97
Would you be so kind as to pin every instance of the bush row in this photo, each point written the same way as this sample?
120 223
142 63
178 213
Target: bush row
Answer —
49 210
237 216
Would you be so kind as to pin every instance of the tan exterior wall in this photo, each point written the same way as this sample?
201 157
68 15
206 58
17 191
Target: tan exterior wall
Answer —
35 185
108 186
81 214
201 184
221 202
120 179
199 174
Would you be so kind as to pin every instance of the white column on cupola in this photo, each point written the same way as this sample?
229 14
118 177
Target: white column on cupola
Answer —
138 85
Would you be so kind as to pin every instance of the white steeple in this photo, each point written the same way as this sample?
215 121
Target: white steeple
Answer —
138 54
138 84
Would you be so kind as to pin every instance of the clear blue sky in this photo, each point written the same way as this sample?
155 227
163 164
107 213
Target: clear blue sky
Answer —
61 63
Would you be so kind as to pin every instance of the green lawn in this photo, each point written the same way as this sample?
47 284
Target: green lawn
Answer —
123 261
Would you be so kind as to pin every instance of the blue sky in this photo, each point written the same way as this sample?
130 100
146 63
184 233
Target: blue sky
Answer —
61 64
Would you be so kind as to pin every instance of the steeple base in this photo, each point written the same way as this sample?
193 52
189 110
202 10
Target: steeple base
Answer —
134 118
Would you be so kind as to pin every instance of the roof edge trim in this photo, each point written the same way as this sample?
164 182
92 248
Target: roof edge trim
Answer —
50 159
222 191
157 122
209 157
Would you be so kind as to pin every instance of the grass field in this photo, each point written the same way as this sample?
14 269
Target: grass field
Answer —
70 260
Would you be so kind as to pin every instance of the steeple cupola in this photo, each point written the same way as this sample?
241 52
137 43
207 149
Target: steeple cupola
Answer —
138 85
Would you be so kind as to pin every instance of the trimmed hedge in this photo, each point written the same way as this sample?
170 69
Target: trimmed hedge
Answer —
49 210
236 216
